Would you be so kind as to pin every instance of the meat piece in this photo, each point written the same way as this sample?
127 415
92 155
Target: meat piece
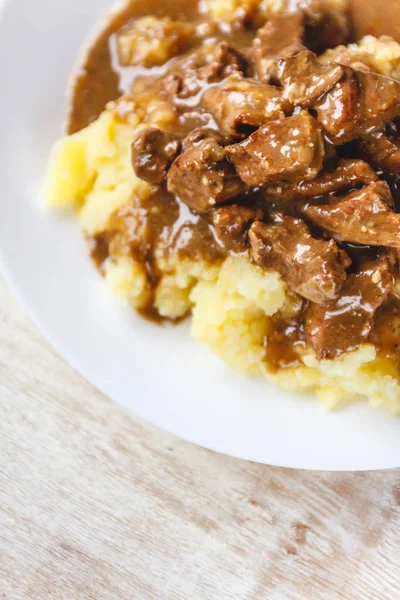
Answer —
337 110
343 324
379 99
153 151
281 36
240 103
200 134
204 65
232 224
203 177
357 104
290 149
315 269
382 151
349 173
173 85
225 61
327 29
363 217
304 79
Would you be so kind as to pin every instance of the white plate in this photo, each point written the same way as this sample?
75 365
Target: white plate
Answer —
159 374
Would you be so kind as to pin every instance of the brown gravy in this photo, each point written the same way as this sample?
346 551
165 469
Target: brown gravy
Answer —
102 79
283 339
164 216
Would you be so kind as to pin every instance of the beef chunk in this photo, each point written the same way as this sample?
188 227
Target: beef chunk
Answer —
281 36
203 66
382 151
290 149
203 177
226 61
357 104
327 29
362 217
343 324
200 134
336 110
239 103
232 224
349 173
379 99
304 79
315 269
181 84
153 151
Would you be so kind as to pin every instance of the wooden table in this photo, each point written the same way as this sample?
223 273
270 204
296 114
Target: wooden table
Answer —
97 505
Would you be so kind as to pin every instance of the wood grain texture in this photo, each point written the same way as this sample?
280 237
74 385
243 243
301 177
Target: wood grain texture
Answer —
95 505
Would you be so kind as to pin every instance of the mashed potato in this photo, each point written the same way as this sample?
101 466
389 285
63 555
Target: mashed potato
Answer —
229 10
150 41
380 54
230 302
258 11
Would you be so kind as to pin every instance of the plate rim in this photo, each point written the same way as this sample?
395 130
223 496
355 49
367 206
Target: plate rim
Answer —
22 297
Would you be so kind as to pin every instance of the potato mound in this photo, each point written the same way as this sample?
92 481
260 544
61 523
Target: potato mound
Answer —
259 10
231 301
379 54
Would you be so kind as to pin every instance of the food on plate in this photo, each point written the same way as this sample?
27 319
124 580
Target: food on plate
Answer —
237 161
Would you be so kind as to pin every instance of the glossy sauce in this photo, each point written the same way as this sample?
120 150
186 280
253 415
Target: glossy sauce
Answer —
101 78
164 217
283 341
386 334
167 222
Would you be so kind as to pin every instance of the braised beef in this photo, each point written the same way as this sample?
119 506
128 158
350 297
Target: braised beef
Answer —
336 111
200 134
290 149
304 79
382 151
226 61
207 65
153 151
239 103
314 268
363 217
327 29
342 325
359 103
203 177
325 209
281 36
232 224
349 173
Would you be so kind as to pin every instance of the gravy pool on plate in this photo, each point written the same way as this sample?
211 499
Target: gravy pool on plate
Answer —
237 161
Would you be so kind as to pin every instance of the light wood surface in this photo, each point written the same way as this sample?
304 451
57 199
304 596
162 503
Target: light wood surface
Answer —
96 505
